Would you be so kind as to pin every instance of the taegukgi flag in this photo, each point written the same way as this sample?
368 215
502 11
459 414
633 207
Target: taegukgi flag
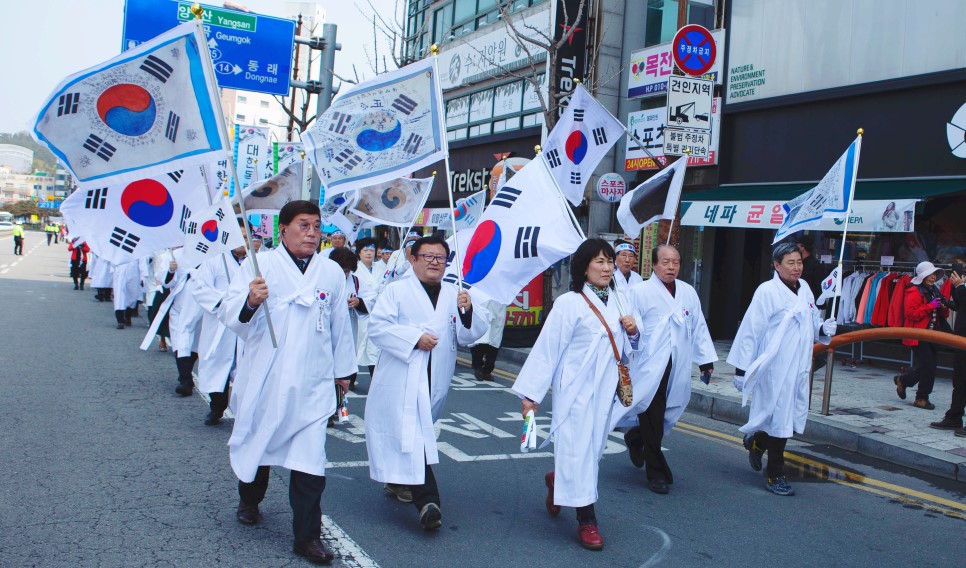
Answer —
127 221
830 286
657 198
832 197
579 141
469 210
380 130
153 106
396 202
523 231
270 195
212 231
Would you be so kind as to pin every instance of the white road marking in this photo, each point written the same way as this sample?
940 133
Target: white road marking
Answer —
658 556
346 549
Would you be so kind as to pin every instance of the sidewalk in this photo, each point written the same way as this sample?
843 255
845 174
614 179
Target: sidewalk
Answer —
866 415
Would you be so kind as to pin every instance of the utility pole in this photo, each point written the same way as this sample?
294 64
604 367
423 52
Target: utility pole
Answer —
295 73
326 66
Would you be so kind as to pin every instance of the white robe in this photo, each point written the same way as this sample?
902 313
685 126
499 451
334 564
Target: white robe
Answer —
497 321
366 350
673 327
400 409
100 272
184 316
574 354
624 284
218 346
774 347
127 284
283 397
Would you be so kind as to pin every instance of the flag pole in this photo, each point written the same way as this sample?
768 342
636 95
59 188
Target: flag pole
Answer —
687 154
198 12
204 174
848 214
640 143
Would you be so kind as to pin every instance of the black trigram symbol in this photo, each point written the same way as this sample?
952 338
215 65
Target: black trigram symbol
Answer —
185 213
340 122
67 104
124 240
578 115
99 147
348 158
452 279
553 158
404 104
220 214
343 155
202 247
600 135
171 130
96 198
158 68
176 175
505 197
526 245
190 228
575 178
224 237
412 145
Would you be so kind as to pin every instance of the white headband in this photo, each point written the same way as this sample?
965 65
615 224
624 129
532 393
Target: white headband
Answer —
625 246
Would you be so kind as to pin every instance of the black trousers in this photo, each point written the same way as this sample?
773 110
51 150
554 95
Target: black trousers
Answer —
426 493
219 400
124 316
923 370
304 496
18 246
651 432
185 365
958 405
484 357
776 452
49 236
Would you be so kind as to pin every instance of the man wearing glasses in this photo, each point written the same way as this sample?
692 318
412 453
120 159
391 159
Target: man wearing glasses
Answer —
283 396
416 324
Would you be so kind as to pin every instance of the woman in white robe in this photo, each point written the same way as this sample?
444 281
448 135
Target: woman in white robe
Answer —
772 356
574 354
368 275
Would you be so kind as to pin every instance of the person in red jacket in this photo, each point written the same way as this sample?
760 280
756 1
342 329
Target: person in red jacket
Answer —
924 309
78 262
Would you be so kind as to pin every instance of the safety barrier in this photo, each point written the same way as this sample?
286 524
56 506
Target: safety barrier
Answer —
942 338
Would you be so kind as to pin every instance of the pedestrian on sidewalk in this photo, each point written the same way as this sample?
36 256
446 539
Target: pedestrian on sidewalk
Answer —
575 353
772 356
78 262
925 308
953 420
669 312
416 324
17 239
283 395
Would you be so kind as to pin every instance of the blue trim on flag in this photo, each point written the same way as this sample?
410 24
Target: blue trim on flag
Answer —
203 95
846 188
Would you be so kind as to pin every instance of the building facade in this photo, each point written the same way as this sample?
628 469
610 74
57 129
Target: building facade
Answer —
19 159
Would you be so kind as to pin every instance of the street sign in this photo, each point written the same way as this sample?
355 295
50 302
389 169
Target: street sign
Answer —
611 187
694 49
251 52
48 204
689 103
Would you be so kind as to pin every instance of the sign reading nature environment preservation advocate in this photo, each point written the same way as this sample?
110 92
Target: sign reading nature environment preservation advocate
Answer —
249 51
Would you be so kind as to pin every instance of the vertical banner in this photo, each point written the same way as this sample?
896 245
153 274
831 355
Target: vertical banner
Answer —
526 308
571 62
251 144
649 240
285 154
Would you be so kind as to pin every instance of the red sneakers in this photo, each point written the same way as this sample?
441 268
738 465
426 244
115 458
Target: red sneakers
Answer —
554 510
590 537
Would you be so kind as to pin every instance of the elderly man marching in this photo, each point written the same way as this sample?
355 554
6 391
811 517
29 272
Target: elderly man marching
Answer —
416 324
676 337
772 356
285 394
625 277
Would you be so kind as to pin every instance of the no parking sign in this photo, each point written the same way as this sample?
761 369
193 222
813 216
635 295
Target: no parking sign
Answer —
694 50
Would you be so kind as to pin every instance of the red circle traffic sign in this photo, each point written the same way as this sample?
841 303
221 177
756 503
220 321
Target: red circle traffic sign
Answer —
694 50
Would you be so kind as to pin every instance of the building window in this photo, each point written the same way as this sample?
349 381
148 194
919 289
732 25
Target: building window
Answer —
263 104
662 19
240 117
242 99
262 121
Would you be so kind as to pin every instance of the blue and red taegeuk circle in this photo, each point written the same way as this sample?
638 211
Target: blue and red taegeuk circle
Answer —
576 147
127 109
147 203
482 252
209 230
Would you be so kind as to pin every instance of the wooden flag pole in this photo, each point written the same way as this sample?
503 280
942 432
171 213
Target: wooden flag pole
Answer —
198 12
845 229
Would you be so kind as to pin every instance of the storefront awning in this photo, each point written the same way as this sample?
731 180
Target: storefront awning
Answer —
865 190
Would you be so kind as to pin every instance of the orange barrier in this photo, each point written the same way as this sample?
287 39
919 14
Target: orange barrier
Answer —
942 338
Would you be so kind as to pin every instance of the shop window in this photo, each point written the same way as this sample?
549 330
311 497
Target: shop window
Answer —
662 19
263 104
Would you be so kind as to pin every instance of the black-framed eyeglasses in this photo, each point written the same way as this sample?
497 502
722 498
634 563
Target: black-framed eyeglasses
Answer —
429 258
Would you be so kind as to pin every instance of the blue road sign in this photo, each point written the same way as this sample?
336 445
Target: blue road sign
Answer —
694 50
250 51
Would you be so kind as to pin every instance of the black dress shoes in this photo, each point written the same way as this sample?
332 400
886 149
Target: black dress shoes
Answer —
632 438
247 514
183 390
213 419
658 486
313 550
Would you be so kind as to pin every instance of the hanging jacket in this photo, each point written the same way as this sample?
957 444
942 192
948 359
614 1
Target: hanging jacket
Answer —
897 310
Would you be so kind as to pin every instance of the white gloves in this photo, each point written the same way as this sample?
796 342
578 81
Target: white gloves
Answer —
830 327
739 383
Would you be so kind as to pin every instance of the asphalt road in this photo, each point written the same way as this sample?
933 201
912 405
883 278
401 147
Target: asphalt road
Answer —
105 466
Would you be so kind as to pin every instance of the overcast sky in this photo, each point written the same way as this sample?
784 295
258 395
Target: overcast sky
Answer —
42 43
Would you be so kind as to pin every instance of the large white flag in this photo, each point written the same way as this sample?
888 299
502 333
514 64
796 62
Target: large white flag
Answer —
130 220
270 195
380 130
579 142
523 231
395 203
832 197
211 231
656 198
149 107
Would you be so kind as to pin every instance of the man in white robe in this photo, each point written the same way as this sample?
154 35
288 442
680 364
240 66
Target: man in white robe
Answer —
398 264
283 395
337 239
379 266
369 274
127 291
772 356
184 321
358 296
625 277
485 350
417 323
670 316
218 347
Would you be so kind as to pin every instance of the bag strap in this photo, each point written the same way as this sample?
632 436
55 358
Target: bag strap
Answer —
610 335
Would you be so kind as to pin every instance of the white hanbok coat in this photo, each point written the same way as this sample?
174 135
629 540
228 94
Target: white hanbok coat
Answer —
672 327
774 348
218 346
624 284
366 350
184 316
283 397
100 272
497 321
127 284
574 354
400 409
